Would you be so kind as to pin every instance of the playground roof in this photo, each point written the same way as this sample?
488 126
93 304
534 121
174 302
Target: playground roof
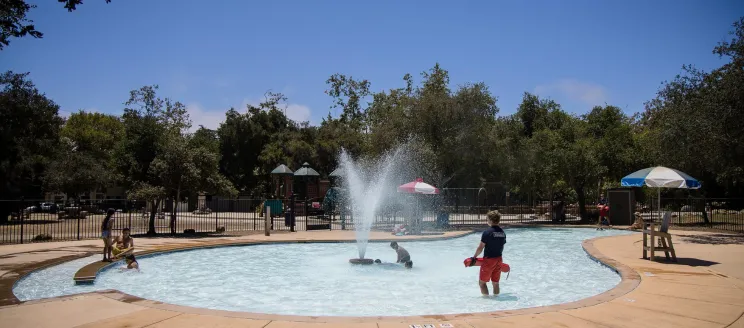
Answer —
306 170
282 169
336 173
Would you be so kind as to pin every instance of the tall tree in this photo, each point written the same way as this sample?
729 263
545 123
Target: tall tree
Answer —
29 136
183 167
349 94
84 161
696 123
389 118
253 141
149 122
614 143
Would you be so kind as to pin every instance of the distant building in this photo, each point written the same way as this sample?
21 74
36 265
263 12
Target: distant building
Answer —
108 193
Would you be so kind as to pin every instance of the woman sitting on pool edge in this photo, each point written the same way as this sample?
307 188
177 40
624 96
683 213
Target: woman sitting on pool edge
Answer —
123 245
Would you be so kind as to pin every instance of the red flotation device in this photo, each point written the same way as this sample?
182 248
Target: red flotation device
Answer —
478 261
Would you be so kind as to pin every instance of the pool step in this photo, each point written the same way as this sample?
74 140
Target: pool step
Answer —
87 274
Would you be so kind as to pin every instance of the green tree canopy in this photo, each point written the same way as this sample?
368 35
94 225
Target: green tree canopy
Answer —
29 135
696 122
84 161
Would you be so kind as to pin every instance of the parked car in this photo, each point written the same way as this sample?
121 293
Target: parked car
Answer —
49 207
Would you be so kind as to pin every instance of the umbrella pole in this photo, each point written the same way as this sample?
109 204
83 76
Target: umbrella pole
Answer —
658 201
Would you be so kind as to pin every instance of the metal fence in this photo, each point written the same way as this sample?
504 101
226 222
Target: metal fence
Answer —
28 221
726 214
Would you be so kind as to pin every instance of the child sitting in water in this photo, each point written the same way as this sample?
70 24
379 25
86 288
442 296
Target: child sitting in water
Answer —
399 230
131 262
407 264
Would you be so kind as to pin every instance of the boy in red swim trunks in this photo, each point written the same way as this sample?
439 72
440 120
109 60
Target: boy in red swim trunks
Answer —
604 217
492 240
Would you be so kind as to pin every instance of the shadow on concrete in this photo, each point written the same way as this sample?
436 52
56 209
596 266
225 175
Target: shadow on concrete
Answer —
715 239
693 262
205 235
34 222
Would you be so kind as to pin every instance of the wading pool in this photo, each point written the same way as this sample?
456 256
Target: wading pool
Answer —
548 266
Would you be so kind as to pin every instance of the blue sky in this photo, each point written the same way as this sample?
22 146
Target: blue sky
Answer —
213 55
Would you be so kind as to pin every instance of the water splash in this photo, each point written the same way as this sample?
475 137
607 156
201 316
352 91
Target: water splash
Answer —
367 186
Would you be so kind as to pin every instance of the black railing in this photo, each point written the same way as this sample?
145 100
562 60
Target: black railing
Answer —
726 214
36 221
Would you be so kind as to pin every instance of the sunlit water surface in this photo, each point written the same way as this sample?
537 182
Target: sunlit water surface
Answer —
548 265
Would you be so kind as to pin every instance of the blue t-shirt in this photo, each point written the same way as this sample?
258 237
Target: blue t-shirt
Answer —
494 238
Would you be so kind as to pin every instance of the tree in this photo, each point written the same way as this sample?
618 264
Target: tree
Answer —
29 136
580 163
549 152
84 161
533 113
617 149
696 124
389 118
75 173
348 94
14 23
530 141
332 136
93 132
154 156
207 139
252 143
71 5
182 166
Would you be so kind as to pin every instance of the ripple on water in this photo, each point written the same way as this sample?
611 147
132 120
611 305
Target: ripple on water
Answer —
548 267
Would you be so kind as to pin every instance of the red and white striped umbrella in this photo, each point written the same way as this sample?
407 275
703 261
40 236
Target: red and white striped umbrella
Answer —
418 187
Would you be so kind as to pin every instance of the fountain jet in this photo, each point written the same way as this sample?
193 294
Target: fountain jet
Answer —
367 188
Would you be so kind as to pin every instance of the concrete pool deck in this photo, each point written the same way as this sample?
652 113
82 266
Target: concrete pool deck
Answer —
705 289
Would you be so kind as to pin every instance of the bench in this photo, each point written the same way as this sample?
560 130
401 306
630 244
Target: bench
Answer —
323 222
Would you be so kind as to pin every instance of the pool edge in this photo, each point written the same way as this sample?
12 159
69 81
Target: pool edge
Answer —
630 279
89 273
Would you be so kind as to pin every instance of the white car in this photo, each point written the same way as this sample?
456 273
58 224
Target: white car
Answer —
47 207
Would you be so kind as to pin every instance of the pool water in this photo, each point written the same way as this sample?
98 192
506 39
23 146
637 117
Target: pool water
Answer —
548 266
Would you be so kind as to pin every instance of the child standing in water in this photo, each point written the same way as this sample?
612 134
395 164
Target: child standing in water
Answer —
492 241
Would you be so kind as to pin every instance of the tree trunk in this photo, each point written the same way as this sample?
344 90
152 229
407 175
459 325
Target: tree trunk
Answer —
553 213
6 208
582 203
173 212
705 211
151 229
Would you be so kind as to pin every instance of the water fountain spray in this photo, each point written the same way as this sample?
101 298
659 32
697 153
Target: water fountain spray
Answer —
367 188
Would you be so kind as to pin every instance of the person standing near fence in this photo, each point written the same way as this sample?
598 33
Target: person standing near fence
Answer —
106 226
604 217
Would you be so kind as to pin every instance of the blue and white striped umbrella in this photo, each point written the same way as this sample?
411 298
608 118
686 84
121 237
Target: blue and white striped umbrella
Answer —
660 177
